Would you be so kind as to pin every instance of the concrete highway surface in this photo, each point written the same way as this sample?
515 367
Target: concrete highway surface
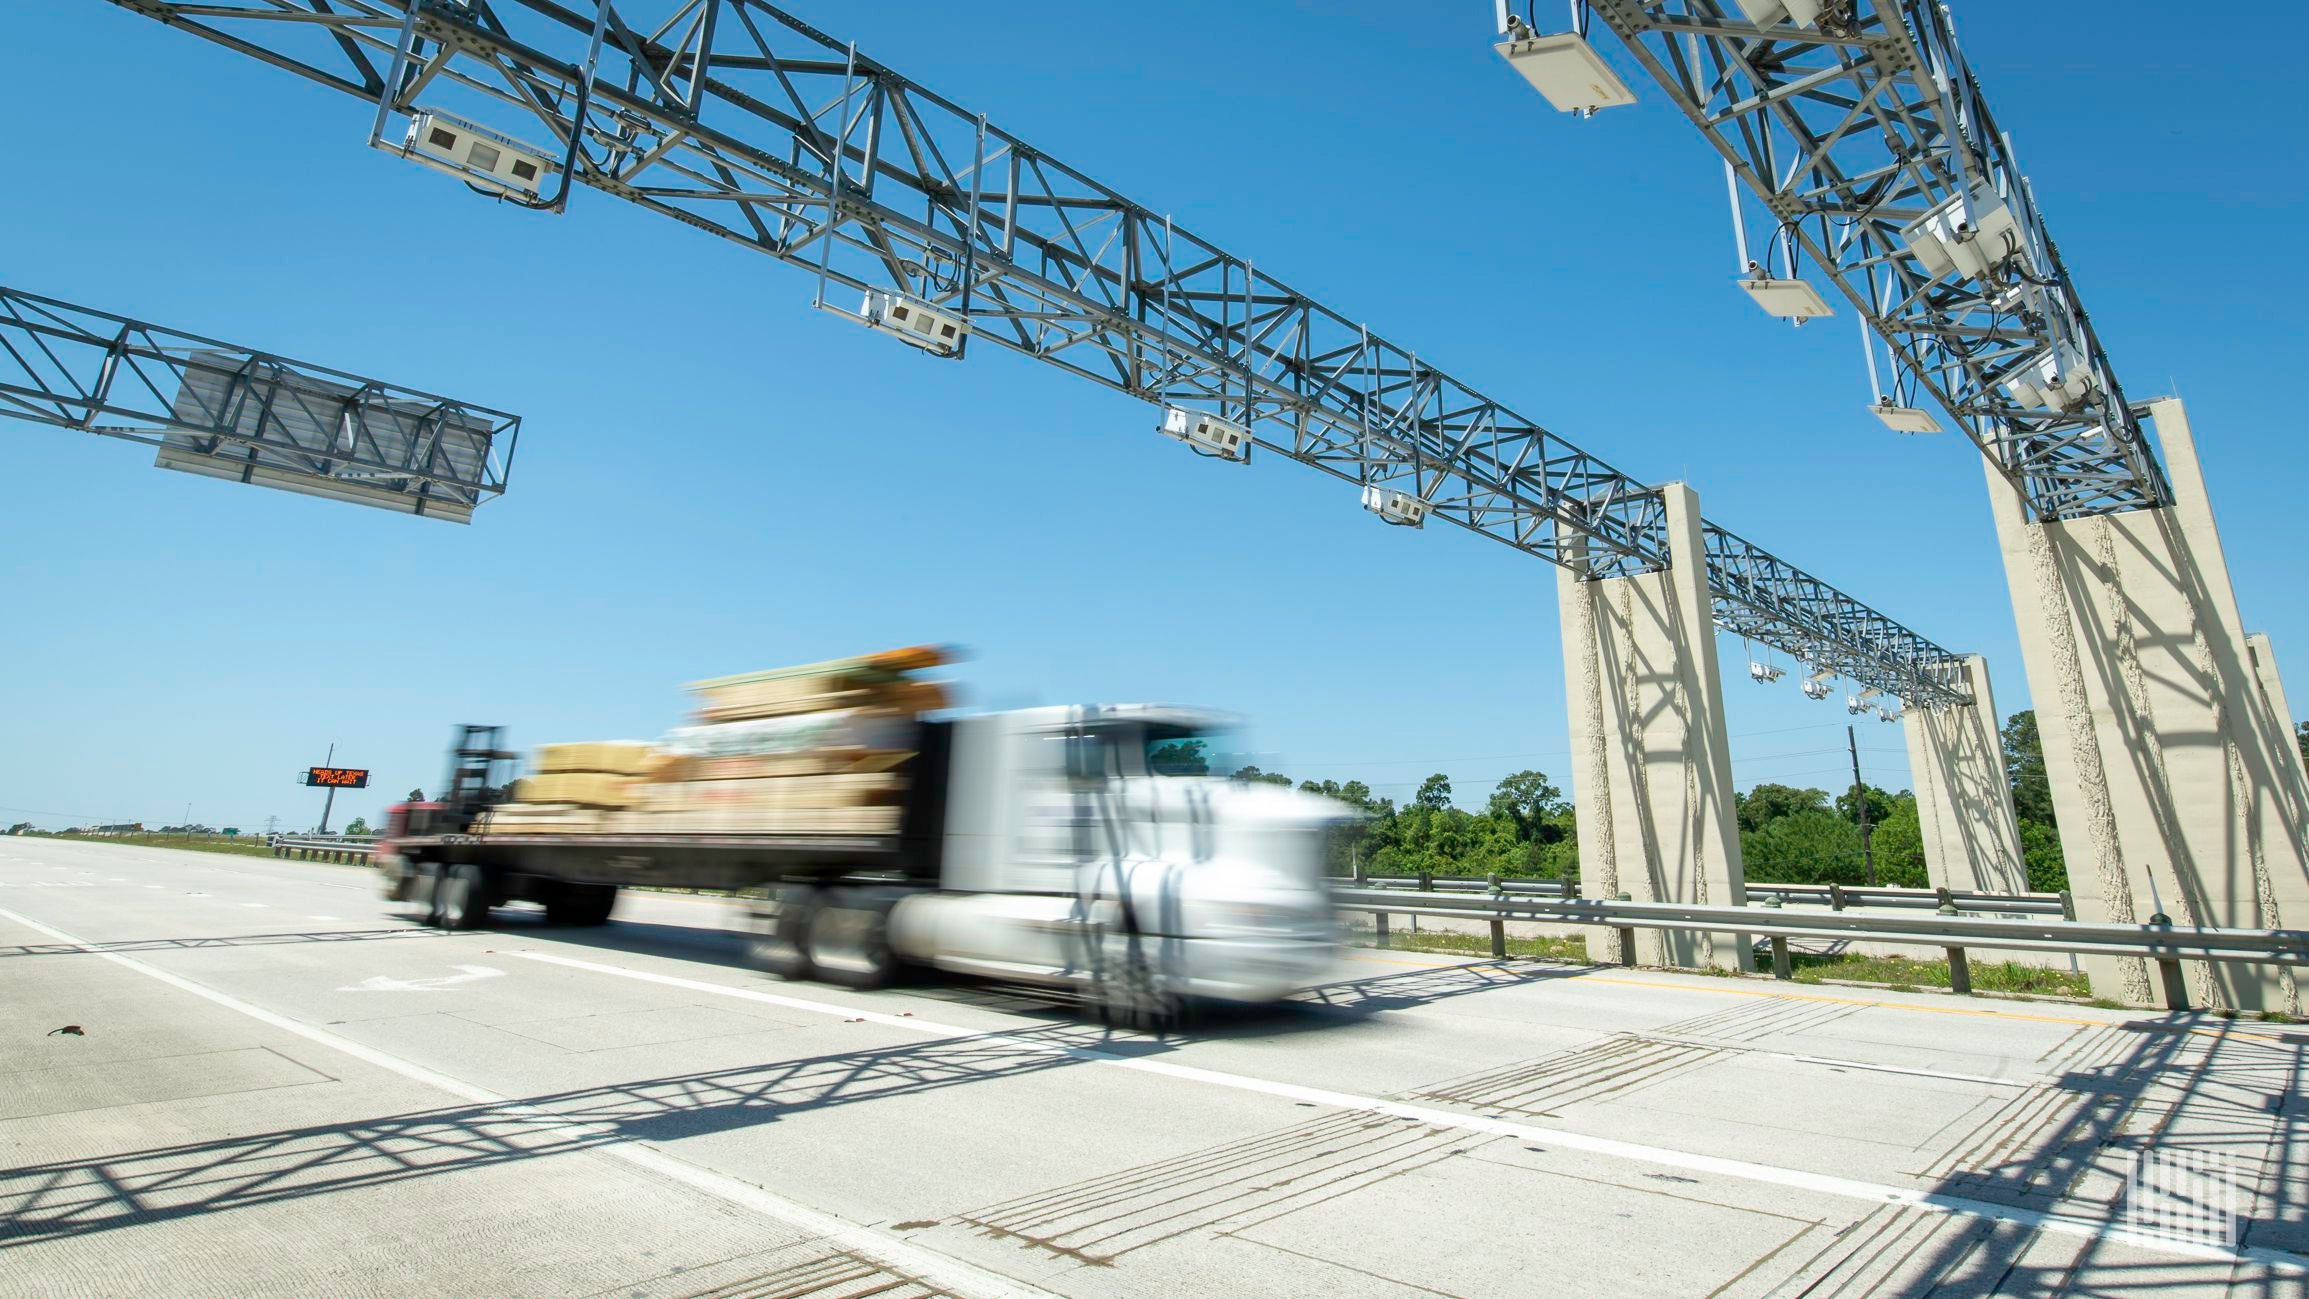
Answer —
285 1086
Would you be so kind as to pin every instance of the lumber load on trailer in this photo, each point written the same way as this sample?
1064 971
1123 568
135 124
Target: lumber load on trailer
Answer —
872 789
820 762
871 688
802 733
541 818
615 757
821 748
758 821
585 788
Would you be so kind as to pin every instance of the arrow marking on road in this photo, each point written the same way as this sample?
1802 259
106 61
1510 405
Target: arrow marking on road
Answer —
440 983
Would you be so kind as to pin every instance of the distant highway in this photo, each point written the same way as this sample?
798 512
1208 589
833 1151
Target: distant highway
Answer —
283 1086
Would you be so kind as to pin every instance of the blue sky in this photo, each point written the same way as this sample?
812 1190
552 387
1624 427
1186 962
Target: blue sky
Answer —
714 477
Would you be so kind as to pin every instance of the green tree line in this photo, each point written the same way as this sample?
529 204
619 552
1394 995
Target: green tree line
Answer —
1788 835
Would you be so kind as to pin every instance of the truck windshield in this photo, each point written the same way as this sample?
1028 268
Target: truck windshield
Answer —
1172 752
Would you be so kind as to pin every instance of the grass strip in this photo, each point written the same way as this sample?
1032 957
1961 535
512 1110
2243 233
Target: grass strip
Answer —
1562 947
238 847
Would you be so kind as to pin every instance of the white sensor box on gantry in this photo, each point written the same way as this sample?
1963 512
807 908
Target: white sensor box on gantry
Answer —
1904 419
1766 13
1566 69
1401 508
2056 380
475 154
1945 240
1219 437
929 328
1787 299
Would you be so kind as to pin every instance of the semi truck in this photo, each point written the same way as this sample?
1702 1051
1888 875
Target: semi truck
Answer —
1081 847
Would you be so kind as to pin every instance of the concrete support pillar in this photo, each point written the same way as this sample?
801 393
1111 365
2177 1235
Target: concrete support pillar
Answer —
1654 783
2172 764
1963 801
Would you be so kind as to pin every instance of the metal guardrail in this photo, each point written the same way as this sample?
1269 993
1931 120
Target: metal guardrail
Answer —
1836 897
346 848
1461 884
2167 945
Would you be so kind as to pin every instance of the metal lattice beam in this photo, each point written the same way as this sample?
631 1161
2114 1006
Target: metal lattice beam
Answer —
1852 130
227 411
742 121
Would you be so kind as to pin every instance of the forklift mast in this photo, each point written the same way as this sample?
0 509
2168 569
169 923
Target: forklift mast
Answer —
480 773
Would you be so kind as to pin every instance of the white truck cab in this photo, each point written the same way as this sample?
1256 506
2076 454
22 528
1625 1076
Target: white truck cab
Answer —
1094 845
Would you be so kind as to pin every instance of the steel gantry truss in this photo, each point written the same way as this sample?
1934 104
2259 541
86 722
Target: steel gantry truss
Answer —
1859 126
740 120
227 411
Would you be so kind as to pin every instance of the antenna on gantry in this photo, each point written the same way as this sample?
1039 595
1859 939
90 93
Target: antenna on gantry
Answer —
1896 414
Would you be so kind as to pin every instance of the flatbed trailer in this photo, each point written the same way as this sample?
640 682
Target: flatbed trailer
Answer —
575 876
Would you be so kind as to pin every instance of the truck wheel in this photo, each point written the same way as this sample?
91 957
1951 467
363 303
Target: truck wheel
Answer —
580 904
780 944
398 881
461 899
850 943
425 887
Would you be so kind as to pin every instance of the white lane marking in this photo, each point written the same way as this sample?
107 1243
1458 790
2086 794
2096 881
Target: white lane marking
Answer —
1823 1183
253 904
439 983
933 1268
321 917
156 886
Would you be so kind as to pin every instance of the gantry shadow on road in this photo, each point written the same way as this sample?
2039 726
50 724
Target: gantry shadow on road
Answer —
79 1197
84 1196
2181 1082
2061 1146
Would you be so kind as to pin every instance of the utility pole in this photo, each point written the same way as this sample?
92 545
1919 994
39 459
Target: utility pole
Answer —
331 801
1860 799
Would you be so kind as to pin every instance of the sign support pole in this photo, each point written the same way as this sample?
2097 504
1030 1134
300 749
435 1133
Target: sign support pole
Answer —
331 802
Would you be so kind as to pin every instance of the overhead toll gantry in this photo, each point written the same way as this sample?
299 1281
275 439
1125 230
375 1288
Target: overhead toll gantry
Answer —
221 410
1860 147
947 231
1857 139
